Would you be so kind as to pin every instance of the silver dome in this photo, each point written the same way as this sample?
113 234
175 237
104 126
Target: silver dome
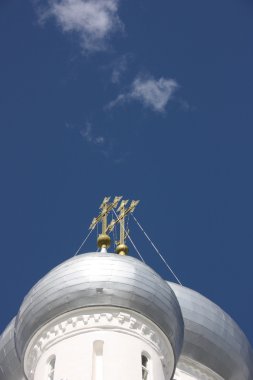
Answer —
100 279
10 367
212 338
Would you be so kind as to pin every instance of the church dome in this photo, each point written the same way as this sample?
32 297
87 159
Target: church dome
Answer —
10 367
212 338
100 279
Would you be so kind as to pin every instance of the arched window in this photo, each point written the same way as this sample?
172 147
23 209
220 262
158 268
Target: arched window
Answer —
97 365
51 368
145 364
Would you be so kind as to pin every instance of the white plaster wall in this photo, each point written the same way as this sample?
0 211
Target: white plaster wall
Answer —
125 338
121 358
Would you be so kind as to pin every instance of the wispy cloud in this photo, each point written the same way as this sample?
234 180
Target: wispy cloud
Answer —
88 135
107 147
93 20
120 66
150 92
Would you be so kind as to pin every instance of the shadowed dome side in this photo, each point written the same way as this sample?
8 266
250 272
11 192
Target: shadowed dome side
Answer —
10 367
98 279
212 338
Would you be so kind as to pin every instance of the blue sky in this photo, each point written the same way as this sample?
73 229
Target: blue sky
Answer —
149 100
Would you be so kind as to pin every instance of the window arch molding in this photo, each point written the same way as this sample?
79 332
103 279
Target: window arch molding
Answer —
50 367
146 365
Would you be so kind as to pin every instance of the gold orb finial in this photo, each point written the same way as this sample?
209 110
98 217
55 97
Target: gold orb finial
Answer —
104 241
122 249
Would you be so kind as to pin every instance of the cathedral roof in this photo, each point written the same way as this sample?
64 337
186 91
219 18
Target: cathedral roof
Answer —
206 334
212 338
10 367
100 279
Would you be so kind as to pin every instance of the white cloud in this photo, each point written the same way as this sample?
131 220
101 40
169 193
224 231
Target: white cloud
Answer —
93 20
120 67
88 135
107 147
151 93
154 93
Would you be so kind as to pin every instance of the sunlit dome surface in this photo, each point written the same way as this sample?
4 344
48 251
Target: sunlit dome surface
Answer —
212 338
100 279
10 367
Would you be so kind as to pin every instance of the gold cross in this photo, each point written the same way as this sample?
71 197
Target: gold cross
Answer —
123 212
105 208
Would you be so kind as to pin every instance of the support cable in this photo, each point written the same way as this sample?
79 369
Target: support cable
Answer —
84 242
135 248
157 251
128 235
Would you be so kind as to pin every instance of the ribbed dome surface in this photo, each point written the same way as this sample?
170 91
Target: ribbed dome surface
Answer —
212 338
97 279
10 367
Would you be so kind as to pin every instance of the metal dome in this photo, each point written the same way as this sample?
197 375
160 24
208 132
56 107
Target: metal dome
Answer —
10 367
212 338
100 279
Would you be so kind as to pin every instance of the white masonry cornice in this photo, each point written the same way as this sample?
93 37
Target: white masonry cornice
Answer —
87 320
